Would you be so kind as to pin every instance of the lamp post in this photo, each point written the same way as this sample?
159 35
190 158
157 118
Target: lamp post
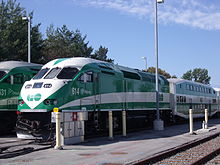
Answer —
158 123
145 59
29 37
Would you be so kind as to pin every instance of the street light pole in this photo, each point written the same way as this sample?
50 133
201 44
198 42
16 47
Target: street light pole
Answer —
29 37
158 123
145 59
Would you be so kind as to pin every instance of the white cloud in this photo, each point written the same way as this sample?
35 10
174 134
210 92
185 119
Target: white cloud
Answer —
194 13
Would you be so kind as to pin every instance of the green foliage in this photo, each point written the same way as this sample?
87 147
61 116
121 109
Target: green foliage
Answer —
101 54
59 42
62 43
160 71
197 75
13 32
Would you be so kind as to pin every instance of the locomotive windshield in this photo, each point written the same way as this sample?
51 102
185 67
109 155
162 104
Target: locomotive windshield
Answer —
52 73
2 74
41 73
67 73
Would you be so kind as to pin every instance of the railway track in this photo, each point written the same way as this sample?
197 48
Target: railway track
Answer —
194 153
17 147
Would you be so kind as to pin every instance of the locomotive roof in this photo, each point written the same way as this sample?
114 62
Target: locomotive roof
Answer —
177 80
79 62
8 65
71 62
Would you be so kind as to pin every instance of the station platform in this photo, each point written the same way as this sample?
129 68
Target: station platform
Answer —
120 150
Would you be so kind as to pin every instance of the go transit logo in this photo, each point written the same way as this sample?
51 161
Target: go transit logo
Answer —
36 97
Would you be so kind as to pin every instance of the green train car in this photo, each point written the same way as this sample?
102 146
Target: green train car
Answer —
76 84
84 84
197 96
13 74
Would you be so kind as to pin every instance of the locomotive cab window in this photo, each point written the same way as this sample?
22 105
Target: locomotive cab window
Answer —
8 80
41 73
67 73
15 79
2 74
53 72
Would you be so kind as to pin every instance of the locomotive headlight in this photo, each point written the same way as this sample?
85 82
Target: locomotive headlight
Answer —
50 102
47 102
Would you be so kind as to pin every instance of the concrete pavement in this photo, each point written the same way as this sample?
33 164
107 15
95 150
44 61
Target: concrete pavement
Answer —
101 151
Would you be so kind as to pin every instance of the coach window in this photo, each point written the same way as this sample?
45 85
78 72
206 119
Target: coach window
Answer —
184 99
190 87
207 90
201 99
181 99
187 86
190 101
177 99
214 101
53 72
67 73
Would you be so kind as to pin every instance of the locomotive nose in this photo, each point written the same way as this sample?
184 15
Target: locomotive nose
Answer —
40 93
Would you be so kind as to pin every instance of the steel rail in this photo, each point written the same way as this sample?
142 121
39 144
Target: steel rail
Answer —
170 152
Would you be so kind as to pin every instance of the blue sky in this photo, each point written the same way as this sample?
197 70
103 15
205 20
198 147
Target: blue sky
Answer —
189 30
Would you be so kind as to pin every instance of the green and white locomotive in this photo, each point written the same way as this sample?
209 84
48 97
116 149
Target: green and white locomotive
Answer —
84 84
79 85
13 74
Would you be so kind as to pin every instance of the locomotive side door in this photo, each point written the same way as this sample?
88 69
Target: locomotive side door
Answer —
125 89
86 90
96 89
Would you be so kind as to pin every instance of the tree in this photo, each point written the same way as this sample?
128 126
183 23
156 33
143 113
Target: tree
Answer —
160 71
13 32
64 43
59 43
174 76
101 54
197 75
